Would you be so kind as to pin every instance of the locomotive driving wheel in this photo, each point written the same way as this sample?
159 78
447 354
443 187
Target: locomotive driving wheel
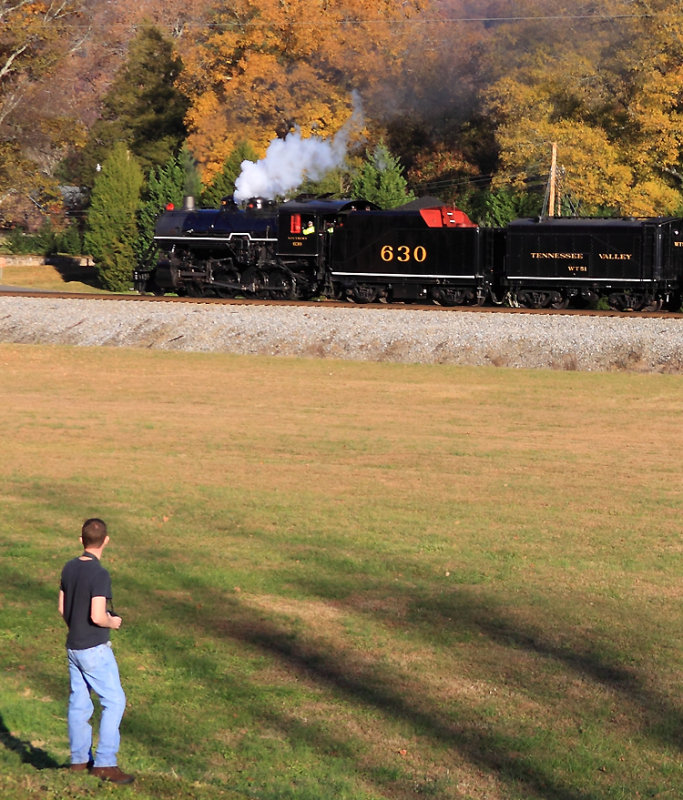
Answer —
253 282
280 284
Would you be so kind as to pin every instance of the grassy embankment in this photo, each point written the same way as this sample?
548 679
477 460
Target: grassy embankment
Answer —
347 580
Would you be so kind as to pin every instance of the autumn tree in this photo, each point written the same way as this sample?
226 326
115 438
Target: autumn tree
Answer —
34 36
264 68
111 230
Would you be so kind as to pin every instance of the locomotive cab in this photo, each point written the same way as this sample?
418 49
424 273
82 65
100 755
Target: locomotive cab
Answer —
303 227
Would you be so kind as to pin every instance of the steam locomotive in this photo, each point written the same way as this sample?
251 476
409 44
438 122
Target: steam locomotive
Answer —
424 251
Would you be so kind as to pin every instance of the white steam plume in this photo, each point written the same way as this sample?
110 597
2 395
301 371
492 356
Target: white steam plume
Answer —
288 161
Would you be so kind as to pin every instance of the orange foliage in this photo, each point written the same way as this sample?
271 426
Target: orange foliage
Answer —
263 67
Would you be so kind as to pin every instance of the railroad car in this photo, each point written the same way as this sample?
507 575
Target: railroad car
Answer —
424 252
636 264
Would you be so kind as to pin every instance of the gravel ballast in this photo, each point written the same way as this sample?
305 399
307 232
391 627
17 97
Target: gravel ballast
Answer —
354 333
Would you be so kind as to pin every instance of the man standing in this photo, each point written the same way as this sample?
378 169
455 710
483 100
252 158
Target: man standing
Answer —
84 591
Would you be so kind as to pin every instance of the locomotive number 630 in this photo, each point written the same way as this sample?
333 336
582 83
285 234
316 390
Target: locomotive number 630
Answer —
403 253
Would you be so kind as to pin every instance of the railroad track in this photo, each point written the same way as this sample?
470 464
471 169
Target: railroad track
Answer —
474 309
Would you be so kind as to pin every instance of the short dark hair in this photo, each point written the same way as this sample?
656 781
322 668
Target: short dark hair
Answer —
93 532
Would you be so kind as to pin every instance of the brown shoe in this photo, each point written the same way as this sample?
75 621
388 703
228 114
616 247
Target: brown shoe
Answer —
112 775
80 767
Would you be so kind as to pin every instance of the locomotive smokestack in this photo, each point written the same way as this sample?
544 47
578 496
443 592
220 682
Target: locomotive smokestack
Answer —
188 203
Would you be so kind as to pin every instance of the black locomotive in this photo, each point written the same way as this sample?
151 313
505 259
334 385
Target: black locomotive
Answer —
424 251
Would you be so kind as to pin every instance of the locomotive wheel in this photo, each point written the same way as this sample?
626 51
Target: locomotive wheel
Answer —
224 277
254 282
281 285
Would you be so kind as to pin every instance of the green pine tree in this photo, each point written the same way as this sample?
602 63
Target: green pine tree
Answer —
166 184
141 108
501 206
380 179
111 229
192 186
223 184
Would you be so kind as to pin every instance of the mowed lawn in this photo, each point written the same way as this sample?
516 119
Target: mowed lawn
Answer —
343 580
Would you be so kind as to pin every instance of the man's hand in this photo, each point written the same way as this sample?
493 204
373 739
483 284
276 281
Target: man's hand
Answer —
114 621
100 616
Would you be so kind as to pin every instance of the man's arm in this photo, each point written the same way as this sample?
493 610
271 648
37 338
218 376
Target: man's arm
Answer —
60 604
100 616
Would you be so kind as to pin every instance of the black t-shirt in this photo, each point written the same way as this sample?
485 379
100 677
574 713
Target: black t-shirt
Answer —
81 581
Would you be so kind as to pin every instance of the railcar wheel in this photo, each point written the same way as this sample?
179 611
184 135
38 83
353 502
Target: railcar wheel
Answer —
560 303
619 301
651 305
532 299
362 293
450 296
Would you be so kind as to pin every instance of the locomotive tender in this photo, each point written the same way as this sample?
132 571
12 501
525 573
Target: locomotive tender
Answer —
422 252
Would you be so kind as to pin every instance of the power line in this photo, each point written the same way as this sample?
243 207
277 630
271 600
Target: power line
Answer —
254 22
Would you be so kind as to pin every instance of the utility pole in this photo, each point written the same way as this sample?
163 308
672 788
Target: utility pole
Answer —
552 180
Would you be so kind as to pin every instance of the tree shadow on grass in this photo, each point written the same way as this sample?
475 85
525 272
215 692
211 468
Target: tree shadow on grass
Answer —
28 754
456 727
460 611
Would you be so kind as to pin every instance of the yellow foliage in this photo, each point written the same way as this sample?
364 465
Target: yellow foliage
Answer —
652 199
615 111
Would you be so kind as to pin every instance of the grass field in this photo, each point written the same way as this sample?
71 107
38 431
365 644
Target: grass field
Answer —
344 580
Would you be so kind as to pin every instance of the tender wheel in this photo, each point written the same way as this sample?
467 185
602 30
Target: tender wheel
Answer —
531 298
620 301
451 296
362 293
651 304
558 301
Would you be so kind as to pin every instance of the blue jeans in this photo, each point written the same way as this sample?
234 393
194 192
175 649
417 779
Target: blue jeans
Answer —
94 669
